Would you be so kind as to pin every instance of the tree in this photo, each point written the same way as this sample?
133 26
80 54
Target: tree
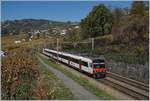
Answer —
97 23
136 30
117 14
138 8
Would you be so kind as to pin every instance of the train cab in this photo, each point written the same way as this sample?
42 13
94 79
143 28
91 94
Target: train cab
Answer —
99 69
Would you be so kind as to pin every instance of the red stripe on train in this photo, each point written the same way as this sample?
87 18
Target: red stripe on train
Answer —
100 69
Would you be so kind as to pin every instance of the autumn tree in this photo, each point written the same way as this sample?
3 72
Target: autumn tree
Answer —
138 8
117 13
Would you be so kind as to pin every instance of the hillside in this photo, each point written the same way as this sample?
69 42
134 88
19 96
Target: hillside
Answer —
26 25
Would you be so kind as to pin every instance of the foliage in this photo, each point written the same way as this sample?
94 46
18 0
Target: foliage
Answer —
97 23
133 27
136 29
138 8
20 76
117 14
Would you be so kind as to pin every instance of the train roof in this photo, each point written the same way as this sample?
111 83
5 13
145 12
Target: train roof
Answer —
78 56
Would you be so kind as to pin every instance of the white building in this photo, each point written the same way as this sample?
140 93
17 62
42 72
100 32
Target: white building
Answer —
36 32
17 42
76 27
23 39
63 32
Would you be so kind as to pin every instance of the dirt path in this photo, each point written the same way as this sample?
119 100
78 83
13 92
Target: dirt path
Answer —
78 91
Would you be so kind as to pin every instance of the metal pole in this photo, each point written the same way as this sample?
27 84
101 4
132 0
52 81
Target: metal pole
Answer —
45 43
57 49
60 45
92 43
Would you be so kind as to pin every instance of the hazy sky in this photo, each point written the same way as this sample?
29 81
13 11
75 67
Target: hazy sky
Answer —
54 10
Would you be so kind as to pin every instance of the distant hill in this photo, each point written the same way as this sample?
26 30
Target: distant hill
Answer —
26 25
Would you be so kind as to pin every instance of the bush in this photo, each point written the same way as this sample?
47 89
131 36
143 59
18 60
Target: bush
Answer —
18 69
20 77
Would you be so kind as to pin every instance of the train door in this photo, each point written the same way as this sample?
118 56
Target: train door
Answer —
90 68
80 64
84 66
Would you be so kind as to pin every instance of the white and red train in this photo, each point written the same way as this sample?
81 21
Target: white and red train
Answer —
95 67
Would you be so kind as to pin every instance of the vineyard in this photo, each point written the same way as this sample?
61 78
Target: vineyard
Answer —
21 79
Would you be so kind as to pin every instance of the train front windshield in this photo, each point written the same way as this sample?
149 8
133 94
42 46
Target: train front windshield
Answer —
99 65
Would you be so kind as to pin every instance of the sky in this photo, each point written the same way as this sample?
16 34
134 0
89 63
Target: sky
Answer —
54 10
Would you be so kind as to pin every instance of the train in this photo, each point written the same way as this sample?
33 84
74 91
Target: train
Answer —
92 66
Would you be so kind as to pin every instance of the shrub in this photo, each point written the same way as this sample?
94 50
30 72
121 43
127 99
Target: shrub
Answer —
20 76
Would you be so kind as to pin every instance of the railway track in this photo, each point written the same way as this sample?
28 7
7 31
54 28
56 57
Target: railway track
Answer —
129 81
137 90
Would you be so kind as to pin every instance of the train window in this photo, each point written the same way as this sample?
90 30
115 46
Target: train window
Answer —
62 56
73 59
55 54
76 60
69 58
99 65
66 57
48 52
98 61
84 63
91 65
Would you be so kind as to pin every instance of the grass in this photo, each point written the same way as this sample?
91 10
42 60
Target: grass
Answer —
82 81
61 91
